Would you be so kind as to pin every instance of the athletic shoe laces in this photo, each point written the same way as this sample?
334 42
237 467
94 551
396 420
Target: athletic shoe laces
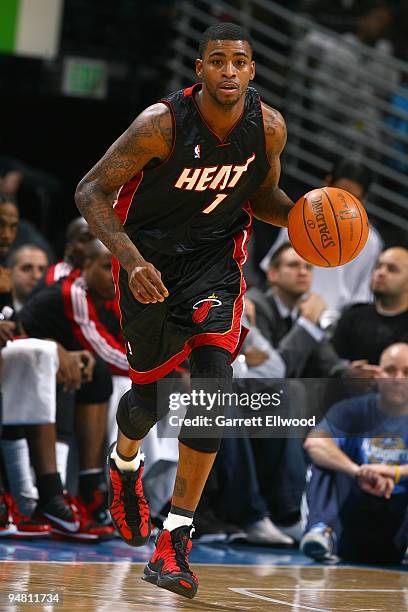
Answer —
126 485
180 548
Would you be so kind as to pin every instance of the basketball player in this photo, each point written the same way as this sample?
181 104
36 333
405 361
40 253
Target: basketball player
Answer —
185 169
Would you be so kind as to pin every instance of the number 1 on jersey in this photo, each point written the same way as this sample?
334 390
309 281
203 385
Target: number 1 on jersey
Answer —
220 197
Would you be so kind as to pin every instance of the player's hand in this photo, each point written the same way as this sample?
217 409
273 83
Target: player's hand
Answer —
372 482
6 332
146 284
70 369
5 280
312 307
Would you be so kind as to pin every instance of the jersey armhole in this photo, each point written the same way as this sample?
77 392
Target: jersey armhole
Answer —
263 130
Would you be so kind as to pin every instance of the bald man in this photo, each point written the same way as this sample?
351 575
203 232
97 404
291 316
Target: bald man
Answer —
77 237
365 330
358 490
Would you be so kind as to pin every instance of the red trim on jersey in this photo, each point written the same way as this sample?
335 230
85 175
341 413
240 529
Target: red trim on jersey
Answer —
115 276
86 326
231 340
126 193
264 136
188 91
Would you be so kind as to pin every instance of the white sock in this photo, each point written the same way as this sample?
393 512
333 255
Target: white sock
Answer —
61 452
176 520
132 465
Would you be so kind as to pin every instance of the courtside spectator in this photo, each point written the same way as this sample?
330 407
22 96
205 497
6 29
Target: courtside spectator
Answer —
365 330
284 315
27 265
78 237
358 491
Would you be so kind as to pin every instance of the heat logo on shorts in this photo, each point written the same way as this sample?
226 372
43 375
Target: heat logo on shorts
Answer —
202 308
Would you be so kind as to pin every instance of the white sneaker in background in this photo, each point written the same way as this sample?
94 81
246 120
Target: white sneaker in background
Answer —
265 532
318 543
294 531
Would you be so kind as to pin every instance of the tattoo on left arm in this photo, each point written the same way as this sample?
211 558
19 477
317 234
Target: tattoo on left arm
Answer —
269 202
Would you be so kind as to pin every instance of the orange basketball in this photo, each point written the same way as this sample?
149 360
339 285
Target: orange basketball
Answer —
328 227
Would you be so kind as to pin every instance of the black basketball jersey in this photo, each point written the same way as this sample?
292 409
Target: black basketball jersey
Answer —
196 196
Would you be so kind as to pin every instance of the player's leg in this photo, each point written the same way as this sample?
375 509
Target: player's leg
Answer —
90 423
136 415
169 567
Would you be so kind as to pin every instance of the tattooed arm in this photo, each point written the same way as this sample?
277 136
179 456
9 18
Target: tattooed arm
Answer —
148 138
269 203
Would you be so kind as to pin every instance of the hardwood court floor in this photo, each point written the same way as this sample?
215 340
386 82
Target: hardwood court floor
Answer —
251 588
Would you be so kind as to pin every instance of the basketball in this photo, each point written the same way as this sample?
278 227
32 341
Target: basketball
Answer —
328 227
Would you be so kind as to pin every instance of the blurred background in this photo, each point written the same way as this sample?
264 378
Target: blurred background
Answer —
74 73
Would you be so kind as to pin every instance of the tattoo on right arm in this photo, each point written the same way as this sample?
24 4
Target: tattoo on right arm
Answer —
150 136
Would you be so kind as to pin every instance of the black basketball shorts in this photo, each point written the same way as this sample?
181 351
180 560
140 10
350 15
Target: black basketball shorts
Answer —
204 307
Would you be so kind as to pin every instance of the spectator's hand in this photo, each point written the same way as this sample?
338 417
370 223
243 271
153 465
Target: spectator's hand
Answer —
71 367
371 481
388 471
312 307
362 369
5 280
250 311
6 332
88 365
254 357
146 284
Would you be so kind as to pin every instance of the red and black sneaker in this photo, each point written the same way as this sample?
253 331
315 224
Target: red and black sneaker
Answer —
127 504
7 526
85 529
168 568
96 507
27 527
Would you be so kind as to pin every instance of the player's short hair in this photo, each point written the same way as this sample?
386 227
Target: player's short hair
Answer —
276 259
353 171
224 31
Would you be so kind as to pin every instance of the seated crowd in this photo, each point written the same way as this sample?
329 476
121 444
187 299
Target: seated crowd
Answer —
339 489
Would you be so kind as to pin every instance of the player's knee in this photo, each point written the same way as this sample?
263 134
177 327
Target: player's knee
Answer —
137 411
202 445
210 362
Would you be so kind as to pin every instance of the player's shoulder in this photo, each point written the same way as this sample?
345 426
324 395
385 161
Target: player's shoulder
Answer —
274 126
156 116
153 129
273 119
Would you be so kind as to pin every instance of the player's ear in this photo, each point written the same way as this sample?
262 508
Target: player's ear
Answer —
199 68
251 78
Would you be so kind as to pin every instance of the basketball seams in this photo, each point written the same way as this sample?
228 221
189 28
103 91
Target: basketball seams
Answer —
337 225
309 236
358 204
